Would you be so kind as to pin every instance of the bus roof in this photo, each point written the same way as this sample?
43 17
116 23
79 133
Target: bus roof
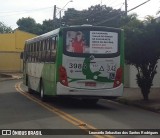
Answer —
46 35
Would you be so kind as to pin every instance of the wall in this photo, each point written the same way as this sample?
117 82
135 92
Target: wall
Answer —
7 42
126 75
10 62
132 71
11 45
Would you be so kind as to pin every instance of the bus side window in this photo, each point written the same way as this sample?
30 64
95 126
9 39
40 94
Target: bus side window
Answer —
43 51
47 51
25 53
34 52
50 49
29 53
38 51
53 49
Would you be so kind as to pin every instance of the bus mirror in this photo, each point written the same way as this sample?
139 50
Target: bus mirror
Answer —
21 55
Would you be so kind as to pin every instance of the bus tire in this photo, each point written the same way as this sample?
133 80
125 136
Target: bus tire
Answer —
42 96
30 90
26 80
27 84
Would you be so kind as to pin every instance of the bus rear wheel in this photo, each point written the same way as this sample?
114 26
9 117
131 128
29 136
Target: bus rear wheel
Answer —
42 96
30 90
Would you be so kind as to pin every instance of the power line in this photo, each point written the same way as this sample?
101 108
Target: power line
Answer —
138 5
98 12
22 12
104 21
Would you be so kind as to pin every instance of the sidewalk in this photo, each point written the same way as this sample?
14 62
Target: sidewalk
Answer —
131 96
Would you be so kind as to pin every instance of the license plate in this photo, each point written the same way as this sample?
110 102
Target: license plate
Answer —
91 84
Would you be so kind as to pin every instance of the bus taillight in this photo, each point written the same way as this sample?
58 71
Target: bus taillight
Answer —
63 76
118 78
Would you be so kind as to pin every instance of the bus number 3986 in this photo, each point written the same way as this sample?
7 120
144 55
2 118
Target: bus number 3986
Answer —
77 66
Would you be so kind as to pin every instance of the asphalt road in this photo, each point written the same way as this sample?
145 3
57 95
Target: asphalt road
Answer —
19 111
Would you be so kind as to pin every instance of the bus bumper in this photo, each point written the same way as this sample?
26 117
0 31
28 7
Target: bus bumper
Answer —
114 92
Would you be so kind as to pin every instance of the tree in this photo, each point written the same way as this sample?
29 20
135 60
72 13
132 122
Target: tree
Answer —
49 25
4 28
95 15
142 51
72 17
29 25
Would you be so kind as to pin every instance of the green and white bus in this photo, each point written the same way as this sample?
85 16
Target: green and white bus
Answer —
84 62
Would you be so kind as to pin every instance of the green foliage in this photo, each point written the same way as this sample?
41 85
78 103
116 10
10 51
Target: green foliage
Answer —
29 25
4 28
47 26
95 15
143 51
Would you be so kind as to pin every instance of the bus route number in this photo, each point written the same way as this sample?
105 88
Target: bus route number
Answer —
77 66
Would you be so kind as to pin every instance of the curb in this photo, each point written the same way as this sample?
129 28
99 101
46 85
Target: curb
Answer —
134 103
7 77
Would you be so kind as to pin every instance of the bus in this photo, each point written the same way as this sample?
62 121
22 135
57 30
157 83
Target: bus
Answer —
84 62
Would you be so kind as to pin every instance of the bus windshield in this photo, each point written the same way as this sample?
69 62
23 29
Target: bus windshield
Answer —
91 42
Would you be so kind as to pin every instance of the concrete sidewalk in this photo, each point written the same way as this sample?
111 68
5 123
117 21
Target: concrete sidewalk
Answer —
131 96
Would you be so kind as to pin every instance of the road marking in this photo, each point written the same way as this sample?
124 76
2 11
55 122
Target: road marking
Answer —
81 124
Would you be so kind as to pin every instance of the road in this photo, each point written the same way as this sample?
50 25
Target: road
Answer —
20 110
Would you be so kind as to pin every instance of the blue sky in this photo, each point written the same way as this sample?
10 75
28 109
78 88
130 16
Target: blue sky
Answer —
12 10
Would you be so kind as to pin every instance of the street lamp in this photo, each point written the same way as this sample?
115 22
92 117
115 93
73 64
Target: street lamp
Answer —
55 15
67 4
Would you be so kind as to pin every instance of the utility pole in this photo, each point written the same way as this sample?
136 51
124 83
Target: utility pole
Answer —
54 13
60 18
126 5
54 16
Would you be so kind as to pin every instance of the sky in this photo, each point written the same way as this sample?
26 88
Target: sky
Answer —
40 10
